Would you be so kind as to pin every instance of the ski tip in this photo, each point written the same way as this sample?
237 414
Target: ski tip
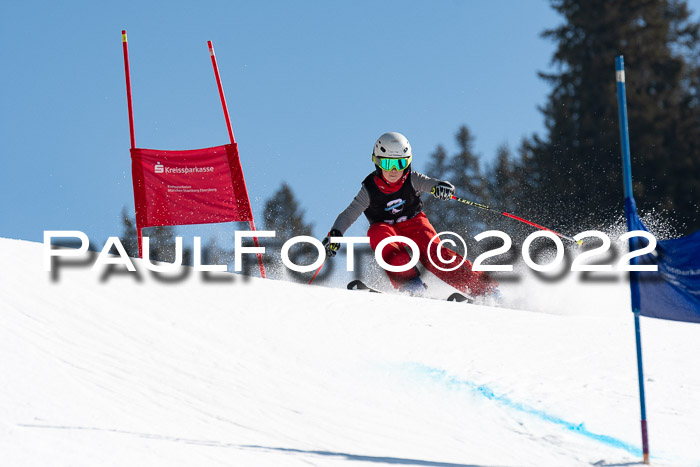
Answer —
359 285
458 297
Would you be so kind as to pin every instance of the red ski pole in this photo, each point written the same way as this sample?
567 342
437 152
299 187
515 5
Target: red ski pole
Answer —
317 271
496 211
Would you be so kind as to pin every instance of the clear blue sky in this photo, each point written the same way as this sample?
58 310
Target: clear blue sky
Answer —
310 86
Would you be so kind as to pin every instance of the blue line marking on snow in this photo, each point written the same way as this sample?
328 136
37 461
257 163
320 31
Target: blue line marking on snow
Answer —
455 383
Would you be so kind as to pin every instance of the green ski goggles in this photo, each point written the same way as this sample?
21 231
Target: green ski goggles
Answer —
389 163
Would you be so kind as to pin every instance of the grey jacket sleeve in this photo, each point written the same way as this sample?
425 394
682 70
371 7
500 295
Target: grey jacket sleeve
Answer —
423 183
352 212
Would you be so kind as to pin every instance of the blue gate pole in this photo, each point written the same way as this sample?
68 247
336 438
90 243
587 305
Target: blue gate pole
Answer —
629 212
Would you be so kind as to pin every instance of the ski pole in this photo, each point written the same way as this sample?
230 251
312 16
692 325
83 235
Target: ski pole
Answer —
317 271
502 213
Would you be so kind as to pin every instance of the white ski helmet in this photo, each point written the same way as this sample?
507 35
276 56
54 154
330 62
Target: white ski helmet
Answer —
392 145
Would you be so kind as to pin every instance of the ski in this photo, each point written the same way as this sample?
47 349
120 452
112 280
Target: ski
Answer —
455 297
359 285
459 297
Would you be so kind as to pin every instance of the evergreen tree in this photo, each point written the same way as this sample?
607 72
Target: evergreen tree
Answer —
576 166
512 188
464 172
465 169
129 236
284 215
437 209
161 241
162 244
213 253
437 165
503 180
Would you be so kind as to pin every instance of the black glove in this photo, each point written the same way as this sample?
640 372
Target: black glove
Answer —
443 190
331 248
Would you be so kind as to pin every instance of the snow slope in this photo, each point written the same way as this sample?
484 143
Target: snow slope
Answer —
127 370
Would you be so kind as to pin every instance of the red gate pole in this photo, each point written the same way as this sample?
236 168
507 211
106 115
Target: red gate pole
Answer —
128 89
221 91
127 73
261 265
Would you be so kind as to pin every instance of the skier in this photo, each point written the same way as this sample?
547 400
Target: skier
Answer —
390 199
